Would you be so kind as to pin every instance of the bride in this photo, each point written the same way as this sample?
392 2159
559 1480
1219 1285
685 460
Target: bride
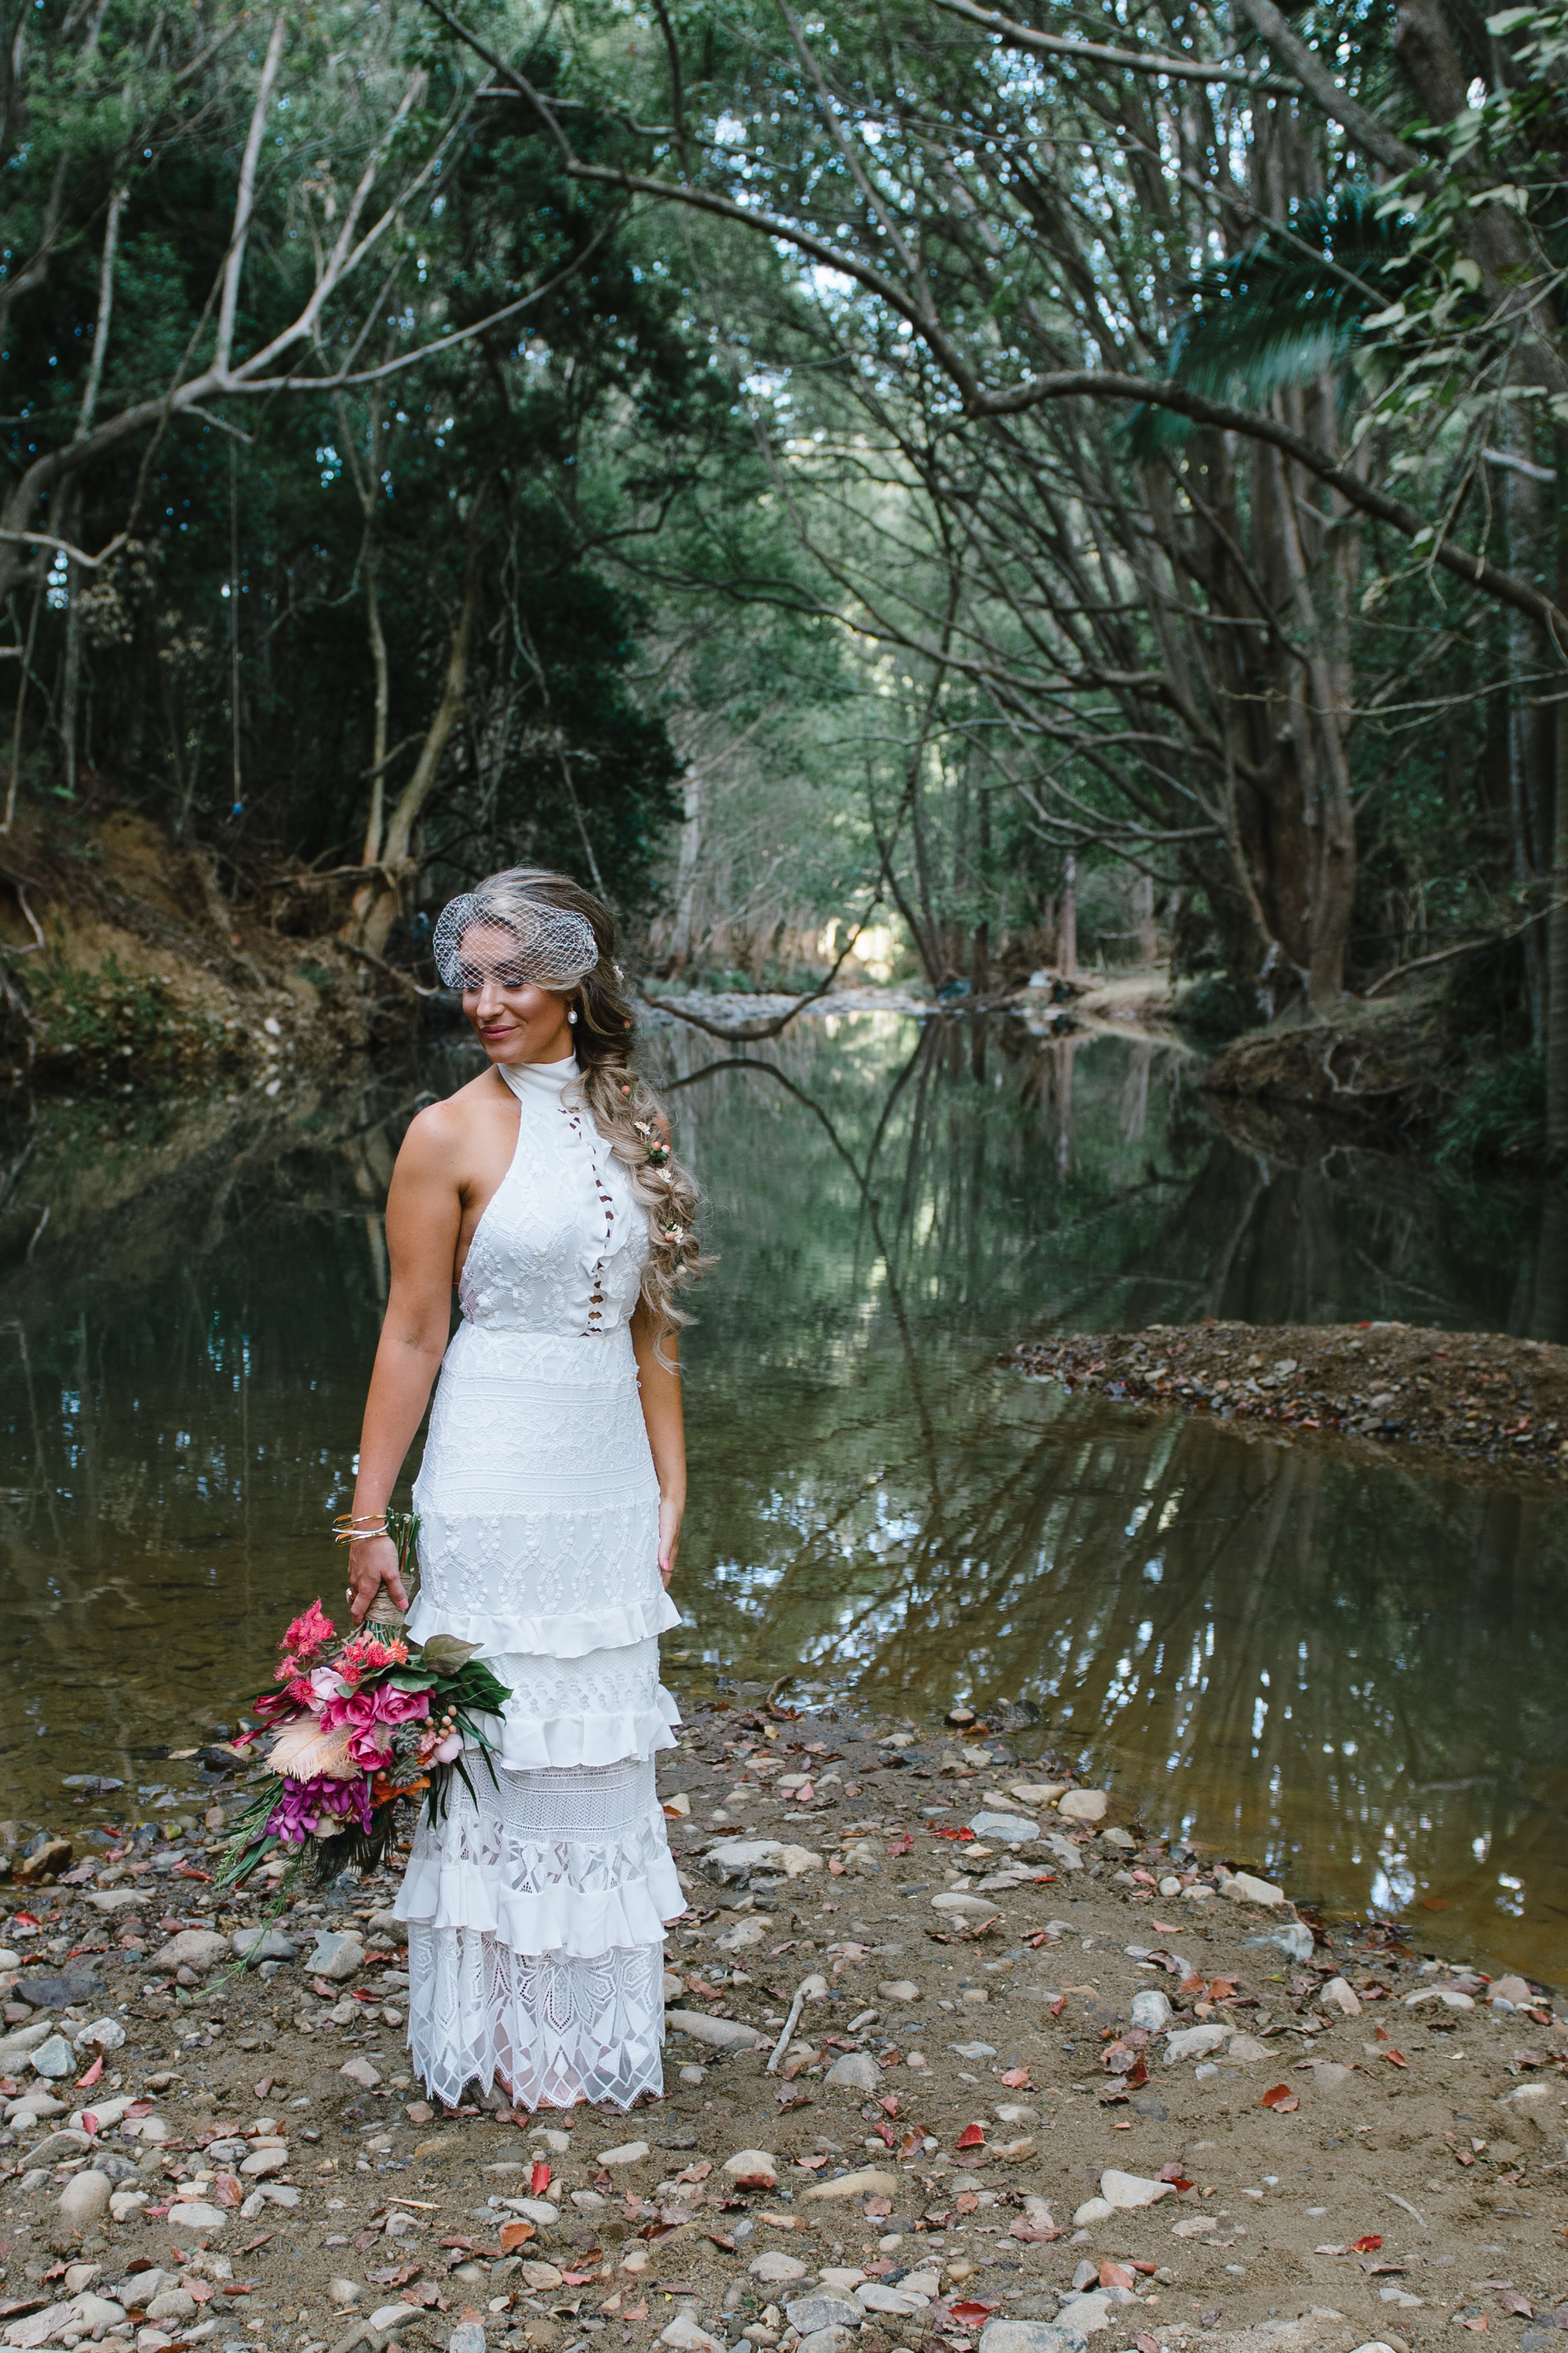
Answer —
549 1499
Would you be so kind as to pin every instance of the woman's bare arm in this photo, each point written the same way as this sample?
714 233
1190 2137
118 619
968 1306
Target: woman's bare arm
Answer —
423 1213
661 1411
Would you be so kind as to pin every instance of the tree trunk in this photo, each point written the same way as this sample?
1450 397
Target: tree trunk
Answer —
376 903
1148 938
683 930
1557 978
1067 926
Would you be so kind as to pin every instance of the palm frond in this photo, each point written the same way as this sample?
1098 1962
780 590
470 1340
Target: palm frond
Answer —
1287 310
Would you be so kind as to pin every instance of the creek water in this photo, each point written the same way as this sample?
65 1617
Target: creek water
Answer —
1347 1675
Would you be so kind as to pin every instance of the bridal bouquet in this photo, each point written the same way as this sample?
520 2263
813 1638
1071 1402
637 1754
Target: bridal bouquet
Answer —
360 1723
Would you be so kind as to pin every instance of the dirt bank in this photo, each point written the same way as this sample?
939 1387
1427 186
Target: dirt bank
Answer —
1384 1072
125 959
1474 1397
1370 2148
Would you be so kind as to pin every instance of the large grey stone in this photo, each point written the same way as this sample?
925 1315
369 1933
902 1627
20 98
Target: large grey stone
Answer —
193 2223
256 1944
19 2046
193 1948
1026 2336
810 2313
1013 1830
722 2033
827 2340
1082 1805
339 1954
896 2303
84 2201
1193 2042
103 2034
1082 2314
856 2072
1062 1850
54 2058
775 2269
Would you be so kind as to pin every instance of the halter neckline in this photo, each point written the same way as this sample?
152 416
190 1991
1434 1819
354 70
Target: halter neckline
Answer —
539 1078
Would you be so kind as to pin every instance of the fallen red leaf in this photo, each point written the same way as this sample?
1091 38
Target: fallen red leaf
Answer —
1281 2099
514 2235
1394 2058
901 1845
971 2312
972 2136
1365 2246
539 2180
1060 2004
1115 2275
92 2075
1016 2079
1511 2301
1175 2177
889 2103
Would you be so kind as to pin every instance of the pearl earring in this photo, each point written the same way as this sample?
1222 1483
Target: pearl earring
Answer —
571 1016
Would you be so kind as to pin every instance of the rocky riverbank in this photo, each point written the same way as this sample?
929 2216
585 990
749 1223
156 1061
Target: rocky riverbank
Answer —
1478 1397
1039 2082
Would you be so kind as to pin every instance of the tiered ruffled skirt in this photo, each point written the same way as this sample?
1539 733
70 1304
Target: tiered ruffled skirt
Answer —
536 1916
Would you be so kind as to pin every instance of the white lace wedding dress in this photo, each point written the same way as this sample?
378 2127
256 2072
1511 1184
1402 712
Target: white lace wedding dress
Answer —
536 1920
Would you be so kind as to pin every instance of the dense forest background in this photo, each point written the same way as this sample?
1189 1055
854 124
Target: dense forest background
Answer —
1057 488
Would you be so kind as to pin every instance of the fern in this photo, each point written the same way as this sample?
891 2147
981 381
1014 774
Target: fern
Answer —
1282 312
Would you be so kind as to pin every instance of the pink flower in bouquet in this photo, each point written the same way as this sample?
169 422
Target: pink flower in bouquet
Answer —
306 1750
366 1652
309 1632
370 1746
325 1684
386 1705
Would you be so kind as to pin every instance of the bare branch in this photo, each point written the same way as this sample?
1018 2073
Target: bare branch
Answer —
245 201
1059 45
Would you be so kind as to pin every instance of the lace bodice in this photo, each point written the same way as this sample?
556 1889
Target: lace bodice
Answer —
561 1248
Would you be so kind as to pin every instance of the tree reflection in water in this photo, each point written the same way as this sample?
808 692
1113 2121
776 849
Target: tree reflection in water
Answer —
1341 1672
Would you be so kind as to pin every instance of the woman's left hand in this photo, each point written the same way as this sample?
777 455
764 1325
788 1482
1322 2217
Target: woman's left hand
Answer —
669 1518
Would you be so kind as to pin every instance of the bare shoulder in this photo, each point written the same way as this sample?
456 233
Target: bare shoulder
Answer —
444 1134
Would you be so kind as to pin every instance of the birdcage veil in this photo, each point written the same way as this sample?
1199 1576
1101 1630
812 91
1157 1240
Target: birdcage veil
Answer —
551 946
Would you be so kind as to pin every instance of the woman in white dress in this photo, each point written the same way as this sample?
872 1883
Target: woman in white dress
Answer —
550 1501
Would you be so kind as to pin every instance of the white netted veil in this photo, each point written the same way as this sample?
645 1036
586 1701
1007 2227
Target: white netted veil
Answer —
551 946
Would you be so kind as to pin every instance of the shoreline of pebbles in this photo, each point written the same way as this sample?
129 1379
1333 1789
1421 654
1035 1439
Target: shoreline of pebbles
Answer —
961 2059
1475 1398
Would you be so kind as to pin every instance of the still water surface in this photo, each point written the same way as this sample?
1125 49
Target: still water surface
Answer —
1350 1676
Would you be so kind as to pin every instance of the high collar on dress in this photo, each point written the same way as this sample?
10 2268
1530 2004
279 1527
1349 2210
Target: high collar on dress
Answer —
539 1081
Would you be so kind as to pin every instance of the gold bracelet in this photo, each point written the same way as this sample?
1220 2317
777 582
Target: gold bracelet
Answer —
346 1530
